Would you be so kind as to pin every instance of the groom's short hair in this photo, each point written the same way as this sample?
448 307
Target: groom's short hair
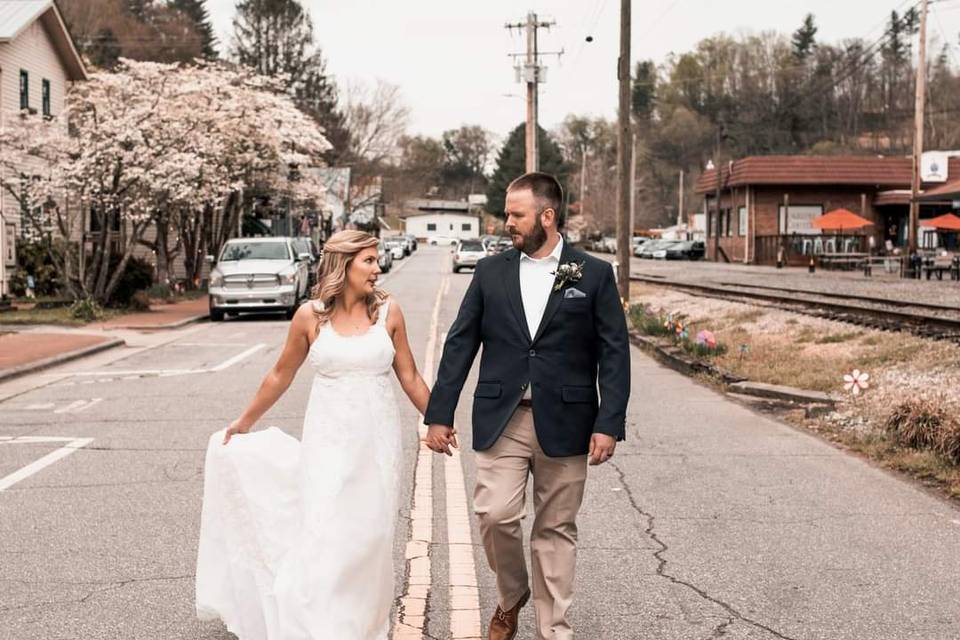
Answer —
546 190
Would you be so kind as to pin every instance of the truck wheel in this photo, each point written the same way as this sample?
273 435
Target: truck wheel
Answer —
216 315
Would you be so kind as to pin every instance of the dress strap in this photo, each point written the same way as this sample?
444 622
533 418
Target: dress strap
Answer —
384 309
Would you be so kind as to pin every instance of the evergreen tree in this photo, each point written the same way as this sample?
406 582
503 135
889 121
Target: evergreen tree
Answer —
276 37
804 39
196 11
511 164
644 90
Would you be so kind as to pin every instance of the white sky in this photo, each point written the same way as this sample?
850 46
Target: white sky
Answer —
450 56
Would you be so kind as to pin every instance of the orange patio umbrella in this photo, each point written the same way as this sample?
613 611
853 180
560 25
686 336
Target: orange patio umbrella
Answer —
946 222
840 219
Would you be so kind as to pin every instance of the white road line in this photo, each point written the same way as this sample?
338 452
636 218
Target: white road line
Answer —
40 406
69 447
237 358
229 362
411 614
88 405
71 407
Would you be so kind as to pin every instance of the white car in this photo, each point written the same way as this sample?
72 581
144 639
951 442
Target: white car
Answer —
467 254
258 274
396 248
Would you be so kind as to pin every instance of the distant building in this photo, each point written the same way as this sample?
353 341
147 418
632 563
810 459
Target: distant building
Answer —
38 62
770 201
443 219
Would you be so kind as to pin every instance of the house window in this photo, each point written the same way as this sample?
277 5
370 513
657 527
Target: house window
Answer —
742 219
729 222
431 226
46 97
24 89
466 226
451 226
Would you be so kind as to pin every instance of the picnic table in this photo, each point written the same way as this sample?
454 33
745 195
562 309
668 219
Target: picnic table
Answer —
846 261
938 265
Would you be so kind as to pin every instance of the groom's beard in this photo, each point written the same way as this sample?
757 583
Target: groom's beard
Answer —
530 243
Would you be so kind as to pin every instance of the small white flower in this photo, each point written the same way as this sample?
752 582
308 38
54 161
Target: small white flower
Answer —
856 382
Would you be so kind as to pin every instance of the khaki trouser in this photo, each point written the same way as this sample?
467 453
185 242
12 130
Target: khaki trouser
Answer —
499 499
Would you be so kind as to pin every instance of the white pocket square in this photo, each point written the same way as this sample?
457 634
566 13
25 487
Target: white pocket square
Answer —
573 292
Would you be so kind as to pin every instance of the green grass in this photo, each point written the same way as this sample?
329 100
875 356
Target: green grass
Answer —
58 316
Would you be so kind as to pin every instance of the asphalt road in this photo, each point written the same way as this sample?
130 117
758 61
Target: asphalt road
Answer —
711 520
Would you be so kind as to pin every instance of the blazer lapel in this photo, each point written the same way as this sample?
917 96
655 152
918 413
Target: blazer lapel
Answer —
556 297
513 292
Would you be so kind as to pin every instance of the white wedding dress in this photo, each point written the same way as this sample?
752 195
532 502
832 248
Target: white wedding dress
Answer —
296 537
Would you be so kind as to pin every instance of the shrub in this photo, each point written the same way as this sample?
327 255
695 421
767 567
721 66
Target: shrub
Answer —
675 326
86 309
160 292
948 444
137 275
647 322
917 422
33 259
140 301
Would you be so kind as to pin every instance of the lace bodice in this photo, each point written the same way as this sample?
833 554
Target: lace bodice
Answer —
368 354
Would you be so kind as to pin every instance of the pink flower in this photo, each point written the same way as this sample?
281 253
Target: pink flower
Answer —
707 338
856 382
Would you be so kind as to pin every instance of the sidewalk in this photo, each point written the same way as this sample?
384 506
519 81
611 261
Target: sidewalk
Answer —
31 348
160 316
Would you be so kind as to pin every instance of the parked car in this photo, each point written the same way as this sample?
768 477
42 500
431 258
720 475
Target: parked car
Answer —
638 242
651 247
413 241
685 250
499 246
660 253
307 245
442 240
396 248
467 254
258 274
384 257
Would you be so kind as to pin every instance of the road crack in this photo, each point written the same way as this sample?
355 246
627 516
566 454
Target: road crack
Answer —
720 629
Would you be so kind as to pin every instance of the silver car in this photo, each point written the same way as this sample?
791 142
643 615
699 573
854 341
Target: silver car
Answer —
467 254
258 274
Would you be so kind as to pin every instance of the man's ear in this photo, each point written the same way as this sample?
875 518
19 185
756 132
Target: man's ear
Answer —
549 214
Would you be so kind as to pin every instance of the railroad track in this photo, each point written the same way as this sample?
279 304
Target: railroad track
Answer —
940 322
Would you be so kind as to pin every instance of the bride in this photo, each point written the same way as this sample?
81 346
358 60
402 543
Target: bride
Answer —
296 537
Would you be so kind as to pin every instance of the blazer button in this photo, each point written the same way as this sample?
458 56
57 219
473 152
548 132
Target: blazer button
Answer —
533 353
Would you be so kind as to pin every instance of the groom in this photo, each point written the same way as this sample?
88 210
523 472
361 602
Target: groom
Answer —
552 327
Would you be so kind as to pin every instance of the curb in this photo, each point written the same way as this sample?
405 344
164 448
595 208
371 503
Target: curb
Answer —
677 360
170 325
45 363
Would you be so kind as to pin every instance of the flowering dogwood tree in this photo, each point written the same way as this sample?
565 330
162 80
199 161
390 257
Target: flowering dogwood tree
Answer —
158 146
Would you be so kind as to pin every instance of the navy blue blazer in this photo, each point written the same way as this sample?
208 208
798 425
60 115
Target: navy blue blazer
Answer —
581 345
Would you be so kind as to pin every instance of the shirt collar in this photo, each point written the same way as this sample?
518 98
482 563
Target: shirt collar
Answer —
554 255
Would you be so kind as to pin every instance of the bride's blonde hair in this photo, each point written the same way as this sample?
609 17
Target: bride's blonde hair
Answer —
338 252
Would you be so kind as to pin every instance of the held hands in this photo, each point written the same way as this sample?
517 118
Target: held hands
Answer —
235 427
440 438
601 448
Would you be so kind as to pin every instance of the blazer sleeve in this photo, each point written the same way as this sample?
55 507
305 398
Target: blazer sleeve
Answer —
613 373
463 342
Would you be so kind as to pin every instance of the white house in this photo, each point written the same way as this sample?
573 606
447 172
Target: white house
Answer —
440 219
38 61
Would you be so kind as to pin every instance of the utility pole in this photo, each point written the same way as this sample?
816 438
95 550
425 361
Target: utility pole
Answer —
919 103
533 73
633 188
680 204
623 156
583 178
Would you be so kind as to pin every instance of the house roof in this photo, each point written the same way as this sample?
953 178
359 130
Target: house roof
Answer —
811 170
947 191
17 15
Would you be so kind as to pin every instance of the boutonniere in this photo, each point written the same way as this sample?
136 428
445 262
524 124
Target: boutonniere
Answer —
569 272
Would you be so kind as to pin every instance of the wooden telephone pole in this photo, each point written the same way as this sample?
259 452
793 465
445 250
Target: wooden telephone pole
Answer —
533 73
624 148
919 105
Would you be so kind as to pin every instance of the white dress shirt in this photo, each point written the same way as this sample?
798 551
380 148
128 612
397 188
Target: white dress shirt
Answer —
536 282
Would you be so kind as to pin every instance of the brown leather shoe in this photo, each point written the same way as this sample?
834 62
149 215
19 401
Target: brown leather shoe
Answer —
503 625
